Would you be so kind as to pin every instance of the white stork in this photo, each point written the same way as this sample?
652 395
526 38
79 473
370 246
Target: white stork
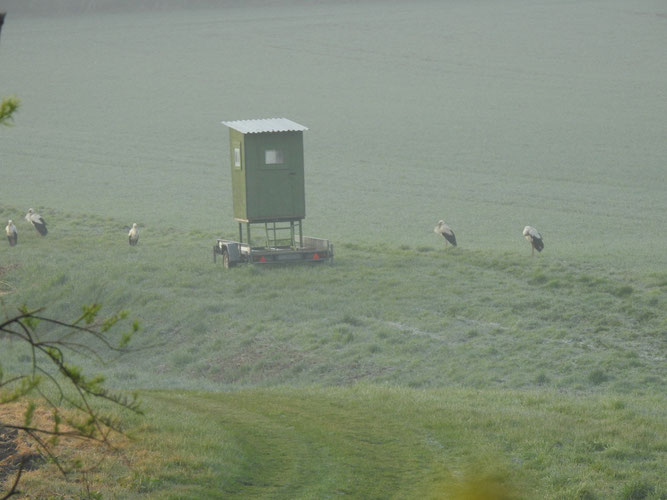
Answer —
12 235
534 238
133 235
446 232
37 221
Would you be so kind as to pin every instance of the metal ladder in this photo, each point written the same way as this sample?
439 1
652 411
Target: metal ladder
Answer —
274 234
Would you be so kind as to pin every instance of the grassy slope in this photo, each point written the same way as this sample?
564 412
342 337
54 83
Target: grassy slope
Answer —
433 110
418 317
370 442
584 345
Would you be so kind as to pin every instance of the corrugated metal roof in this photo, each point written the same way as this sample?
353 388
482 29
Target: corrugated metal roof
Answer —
265 125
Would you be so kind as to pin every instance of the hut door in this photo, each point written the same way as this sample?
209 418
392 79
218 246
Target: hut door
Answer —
278 198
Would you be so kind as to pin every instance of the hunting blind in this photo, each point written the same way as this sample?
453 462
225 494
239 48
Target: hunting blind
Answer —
268 191
267 172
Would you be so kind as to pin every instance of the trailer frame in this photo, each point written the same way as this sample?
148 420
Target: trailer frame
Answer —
283 243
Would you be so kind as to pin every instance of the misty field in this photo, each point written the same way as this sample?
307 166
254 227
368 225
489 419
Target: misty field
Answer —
404 369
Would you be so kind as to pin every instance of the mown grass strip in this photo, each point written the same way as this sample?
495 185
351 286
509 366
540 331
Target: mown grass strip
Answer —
379 442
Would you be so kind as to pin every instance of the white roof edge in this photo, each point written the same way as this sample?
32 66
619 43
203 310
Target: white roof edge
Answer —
265 125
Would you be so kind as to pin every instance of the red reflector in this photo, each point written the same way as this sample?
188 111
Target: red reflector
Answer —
316 257
262 259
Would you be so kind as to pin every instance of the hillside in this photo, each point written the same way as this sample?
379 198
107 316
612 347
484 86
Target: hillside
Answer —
419 317
488 115
466 367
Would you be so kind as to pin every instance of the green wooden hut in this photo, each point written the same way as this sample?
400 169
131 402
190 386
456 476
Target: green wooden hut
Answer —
267 170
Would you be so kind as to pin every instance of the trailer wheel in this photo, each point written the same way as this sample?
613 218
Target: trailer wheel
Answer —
225 260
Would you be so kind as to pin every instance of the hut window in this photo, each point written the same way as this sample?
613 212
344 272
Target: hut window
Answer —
273 157
237 157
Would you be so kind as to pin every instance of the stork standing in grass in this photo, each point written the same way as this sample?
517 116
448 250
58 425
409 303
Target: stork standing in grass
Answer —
134 235
534 238
446 232
37 221
12 235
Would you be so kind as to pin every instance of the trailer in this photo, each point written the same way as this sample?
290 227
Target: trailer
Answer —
292 250
267 174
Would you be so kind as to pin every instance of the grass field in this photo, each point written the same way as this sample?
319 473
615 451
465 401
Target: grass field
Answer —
573 352
403 369
423 317
366 441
